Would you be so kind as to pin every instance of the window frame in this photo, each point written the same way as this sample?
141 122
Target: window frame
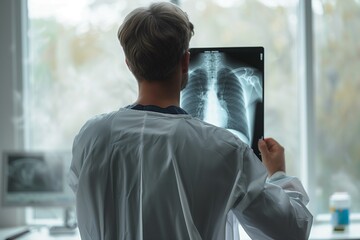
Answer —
306 96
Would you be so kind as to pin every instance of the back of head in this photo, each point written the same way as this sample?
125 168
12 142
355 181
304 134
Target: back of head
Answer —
154 39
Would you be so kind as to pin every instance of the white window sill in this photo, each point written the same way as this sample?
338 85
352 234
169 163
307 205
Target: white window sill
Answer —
323 231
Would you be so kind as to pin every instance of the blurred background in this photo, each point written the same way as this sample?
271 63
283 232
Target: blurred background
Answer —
61 63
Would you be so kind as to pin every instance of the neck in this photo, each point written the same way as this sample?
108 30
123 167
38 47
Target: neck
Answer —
165 93
158 93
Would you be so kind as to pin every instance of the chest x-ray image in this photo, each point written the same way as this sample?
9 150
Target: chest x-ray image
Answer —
226 88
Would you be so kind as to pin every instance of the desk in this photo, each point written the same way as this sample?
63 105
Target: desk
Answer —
37 233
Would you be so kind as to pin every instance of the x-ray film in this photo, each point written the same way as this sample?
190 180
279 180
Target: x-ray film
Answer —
226 88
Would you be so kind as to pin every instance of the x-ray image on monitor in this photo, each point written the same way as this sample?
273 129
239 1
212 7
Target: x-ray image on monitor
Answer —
34 174
226 88
36 179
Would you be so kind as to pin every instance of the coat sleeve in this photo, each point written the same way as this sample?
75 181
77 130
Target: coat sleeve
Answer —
272 208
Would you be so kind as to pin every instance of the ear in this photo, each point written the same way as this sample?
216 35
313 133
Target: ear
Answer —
185 62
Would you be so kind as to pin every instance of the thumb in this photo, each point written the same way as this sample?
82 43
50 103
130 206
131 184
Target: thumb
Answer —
263 148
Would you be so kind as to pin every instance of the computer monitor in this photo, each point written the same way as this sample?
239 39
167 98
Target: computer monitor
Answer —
36 179
226 88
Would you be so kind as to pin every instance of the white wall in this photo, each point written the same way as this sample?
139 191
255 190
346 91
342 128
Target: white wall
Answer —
11 71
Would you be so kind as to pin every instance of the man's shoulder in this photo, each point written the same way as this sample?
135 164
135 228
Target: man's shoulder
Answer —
98 124
103 123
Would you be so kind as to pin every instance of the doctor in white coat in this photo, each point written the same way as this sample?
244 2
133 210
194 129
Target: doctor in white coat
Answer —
151 171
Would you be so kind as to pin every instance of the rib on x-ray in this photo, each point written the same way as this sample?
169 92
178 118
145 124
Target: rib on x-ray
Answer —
225 88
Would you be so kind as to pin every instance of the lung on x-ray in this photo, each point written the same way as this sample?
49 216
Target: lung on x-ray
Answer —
226 88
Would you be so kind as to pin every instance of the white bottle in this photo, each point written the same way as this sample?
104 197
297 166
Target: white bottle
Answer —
340 210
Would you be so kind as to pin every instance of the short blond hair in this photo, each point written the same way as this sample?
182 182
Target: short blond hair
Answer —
154 39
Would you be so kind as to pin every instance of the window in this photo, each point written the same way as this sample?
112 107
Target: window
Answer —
337 55
77 70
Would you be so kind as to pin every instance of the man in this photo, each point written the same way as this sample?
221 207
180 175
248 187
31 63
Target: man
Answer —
151 171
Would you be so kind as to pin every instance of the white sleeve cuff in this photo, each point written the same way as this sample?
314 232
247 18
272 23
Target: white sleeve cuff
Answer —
276 176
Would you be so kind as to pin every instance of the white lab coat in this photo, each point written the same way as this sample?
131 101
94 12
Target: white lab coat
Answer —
148 175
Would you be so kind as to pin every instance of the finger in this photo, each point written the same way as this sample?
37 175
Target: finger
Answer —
272 144
270 141
263 148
